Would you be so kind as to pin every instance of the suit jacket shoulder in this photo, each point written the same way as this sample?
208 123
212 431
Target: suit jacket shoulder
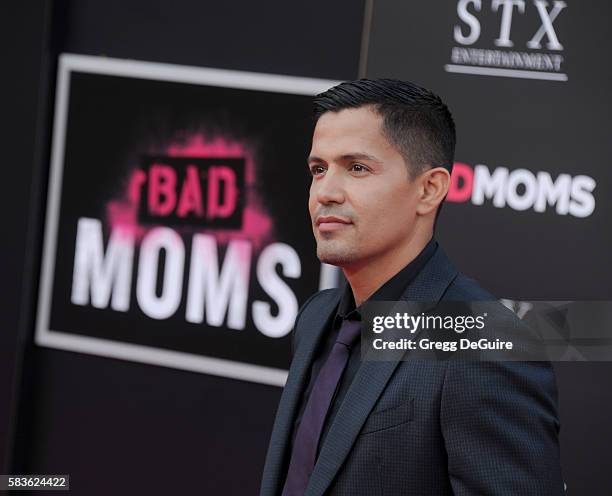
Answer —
464 288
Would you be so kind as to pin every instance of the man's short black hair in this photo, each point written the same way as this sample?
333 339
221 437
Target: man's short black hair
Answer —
415 120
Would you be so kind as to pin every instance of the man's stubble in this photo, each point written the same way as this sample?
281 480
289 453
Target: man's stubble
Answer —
339 252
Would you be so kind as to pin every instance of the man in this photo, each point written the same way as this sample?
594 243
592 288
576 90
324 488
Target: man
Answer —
381 155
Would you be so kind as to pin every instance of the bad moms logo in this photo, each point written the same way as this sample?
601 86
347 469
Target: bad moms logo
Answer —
201 196
509 38
522 189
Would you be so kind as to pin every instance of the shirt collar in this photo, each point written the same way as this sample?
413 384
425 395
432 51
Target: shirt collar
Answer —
391 290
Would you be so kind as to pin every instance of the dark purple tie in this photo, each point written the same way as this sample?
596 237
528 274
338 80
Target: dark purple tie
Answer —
308 433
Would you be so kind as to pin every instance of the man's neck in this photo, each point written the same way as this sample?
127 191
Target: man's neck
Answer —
369 275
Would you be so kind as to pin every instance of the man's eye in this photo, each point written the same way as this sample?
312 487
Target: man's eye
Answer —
359 168
315 170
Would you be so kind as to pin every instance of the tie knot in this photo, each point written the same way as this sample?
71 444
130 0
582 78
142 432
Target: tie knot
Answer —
349 332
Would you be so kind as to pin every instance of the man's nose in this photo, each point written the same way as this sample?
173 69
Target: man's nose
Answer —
330 188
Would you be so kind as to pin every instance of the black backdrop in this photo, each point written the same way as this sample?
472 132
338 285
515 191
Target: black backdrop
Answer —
538 125
21 34
118 426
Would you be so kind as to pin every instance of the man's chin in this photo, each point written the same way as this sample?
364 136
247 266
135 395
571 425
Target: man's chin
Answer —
335 257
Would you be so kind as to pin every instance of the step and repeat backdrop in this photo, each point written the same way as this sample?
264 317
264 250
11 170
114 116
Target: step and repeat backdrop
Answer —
177 231
171 168
528 213
528 83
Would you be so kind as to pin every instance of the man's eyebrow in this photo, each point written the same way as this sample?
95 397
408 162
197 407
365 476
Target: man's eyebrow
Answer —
360 156
312 158
348 156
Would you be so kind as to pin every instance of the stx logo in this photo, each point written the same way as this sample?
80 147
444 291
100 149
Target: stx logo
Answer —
522 189
507 9
542 56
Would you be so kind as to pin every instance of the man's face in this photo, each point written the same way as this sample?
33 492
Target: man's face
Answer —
362 203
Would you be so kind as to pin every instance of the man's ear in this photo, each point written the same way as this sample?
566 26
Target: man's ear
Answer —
434 186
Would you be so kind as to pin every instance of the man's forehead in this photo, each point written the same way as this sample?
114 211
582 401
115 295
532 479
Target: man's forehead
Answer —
349 132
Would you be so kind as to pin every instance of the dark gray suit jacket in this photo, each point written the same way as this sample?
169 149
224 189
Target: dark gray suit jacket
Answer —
418 427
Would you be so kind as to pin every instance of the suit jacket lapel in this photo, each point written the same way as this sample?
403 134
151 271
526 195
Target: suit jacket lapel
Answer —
311 332
370 381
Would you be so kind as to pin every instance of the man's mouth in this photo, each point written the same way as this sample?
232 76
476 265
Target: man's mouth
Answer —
328 223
